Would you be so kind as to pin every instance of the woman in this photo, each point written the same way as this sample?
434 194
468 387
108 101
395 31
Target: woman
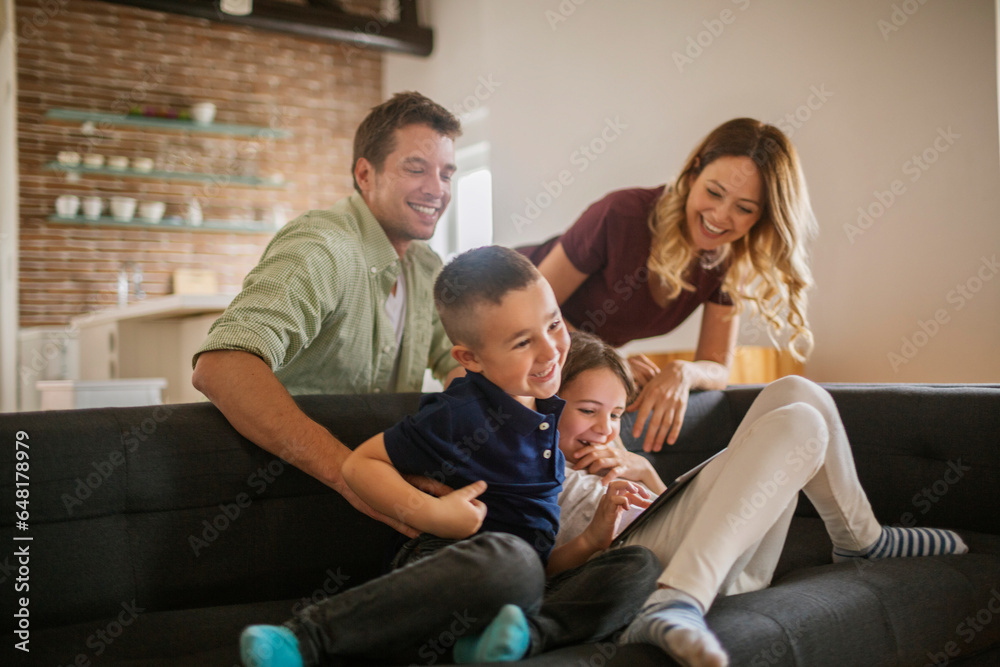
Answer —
732 230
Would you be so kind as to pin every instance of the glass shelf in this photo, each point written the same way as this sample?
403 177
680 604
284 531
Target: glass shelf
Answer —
217 179
79 115
237 227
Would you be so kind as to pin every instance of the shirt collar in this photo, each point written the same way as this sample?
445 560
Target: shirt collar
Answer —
522 419
378 252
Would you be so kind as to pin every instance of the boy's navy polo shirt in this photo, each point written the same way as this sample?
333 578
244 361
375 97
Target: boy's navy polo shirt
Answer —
476 431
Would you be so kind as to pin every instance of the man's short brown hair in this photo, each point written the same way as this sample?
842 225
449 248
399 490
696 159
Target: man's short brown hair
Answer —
375 137
480 275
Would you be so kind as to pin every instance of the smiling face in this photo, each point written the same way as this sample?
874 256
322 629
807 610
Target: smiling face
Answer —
521 343
410 192
595 400
725 201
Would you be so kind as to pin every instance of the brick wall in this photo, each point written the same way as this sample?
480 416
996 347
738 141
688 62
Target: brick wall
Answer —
81 54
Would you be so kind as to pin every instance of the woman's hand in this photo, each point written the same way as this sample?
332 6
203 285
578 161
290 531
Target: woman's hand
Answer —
663 400
643 369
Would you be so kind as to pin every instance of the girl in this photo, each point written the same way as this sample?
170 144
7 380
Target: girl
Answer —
791 439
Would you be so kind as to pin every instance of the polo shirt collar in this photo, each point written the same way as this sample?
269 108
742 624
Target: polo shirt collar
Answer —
378 252
522 419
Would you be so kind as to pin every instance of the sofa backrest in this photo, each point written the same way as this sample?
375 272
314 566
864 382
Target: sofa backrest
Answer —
170 507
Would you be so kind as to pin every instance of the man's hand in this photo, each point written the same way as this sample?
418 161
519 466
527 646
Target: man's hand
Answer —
243 387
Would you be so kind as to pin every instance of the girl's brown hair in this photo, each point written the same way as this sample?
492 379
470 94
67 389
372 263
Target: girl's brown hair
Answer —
586 352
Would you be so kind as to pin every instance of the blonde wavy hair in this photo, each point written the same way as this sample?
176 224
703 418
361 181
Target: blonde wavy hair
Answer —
768 267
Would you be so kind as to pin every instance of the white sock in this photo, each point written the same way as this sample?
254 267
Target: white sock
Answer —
675 622
896 542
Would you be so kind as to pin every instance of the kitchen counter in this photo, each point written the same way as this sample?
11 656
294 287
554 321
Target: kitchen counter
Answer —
152 338
160 308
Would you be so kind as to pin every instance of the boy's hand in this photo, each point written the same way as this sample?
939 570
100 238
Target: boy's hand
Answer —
459 514
621 495
428 485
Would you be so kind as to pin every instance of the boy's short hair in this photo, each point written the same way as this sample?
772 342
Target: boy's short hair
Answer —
375 137
587 352
480 275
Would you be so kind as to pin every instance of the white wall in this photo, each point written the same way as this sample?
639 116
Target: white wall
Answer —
883 86
8 210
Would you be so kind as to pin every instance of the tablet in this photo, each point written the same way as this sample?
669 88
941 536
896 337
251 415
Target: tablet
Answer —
673 488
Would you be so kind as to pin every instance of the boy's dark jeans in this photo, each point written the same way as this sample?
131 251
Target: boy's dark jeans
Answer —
447 589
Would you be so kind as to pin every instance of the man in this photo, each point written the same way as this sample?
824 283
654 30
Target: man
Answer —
341 301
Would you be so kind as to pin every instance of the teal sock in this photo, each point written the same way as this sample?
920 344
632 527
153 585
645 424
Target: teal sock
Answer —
505 639
269 646
895 542
674 621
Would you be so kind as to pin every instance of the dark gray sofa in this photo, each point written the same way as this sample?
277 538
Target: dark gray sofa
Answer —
158 533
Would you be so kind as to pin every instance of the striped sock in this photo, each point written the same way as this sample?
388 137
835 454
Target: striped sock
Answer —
900 542
678 628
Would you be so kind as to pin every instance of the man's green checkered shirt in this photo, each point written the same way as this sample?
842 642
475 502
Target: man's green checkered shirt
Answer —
314 307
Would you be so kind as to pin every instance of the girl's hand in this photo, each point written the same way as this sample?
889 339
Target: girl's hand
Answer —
663 400
612 461
608 461
620 497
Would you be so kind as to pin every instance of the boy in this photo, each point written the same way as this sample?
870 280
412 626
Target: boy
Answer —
492 436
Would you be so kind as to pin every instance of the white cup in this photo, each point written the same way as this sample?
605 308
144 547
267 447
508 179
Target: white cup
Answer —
93 160
152 211
123 208
92 207
143 164
68 158
203 113
119 162
67 206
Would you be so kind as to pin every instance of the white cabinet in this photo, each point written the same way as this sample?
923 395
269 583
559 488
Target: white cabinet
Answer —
155 338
